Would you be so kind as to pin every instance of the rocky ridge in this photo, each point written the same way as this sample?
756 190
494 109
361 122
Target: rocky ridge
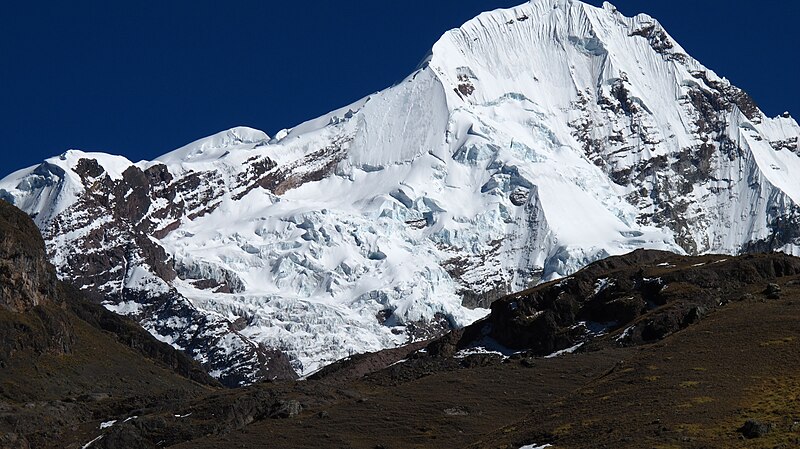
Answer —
622 301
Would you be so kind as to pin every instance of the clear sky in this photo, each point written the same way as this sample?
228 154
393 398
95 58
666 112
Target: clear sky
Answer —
140 78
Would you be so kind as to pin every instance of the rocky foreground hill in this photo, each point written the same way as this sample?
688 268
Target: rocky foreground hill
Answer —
649 349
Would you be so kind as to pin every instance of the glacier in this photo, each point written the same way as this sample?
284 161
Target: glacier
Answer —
530 142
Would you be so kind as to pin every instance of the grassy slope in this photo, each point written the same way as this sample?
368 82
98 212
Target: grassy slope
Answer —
693 389
58 400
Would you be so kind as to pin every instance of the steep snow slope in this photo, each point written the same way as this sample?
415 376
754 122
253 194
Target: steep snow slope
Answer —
530 142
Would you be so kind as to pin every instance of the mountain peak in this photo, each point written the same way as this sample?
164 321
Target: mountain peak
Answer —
216 145
536 140
555 48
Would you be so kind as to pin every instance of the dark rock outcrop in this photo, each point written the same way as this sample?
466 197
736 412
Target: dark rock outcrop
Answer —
27 279
31 313
755 429
637 298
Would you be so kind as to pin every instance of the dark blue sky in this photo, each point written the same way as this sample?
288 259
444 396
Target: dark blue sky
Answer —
142 78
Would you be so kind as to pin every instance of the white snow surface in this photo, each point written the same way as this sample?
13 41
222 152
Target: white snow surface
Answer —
569 350
89 444
214 147
473 159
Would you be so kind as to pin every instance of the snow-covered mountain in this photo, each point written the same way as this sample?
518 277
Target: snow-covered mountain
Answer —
530 142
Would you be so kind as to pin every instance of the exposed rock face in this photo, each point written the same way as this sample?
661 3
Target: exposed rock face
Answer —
27 279
531 142
641 297
32 315
39 312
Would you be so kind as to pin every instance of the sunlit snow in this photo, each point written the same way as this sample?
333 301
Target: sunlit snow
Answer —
498 164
